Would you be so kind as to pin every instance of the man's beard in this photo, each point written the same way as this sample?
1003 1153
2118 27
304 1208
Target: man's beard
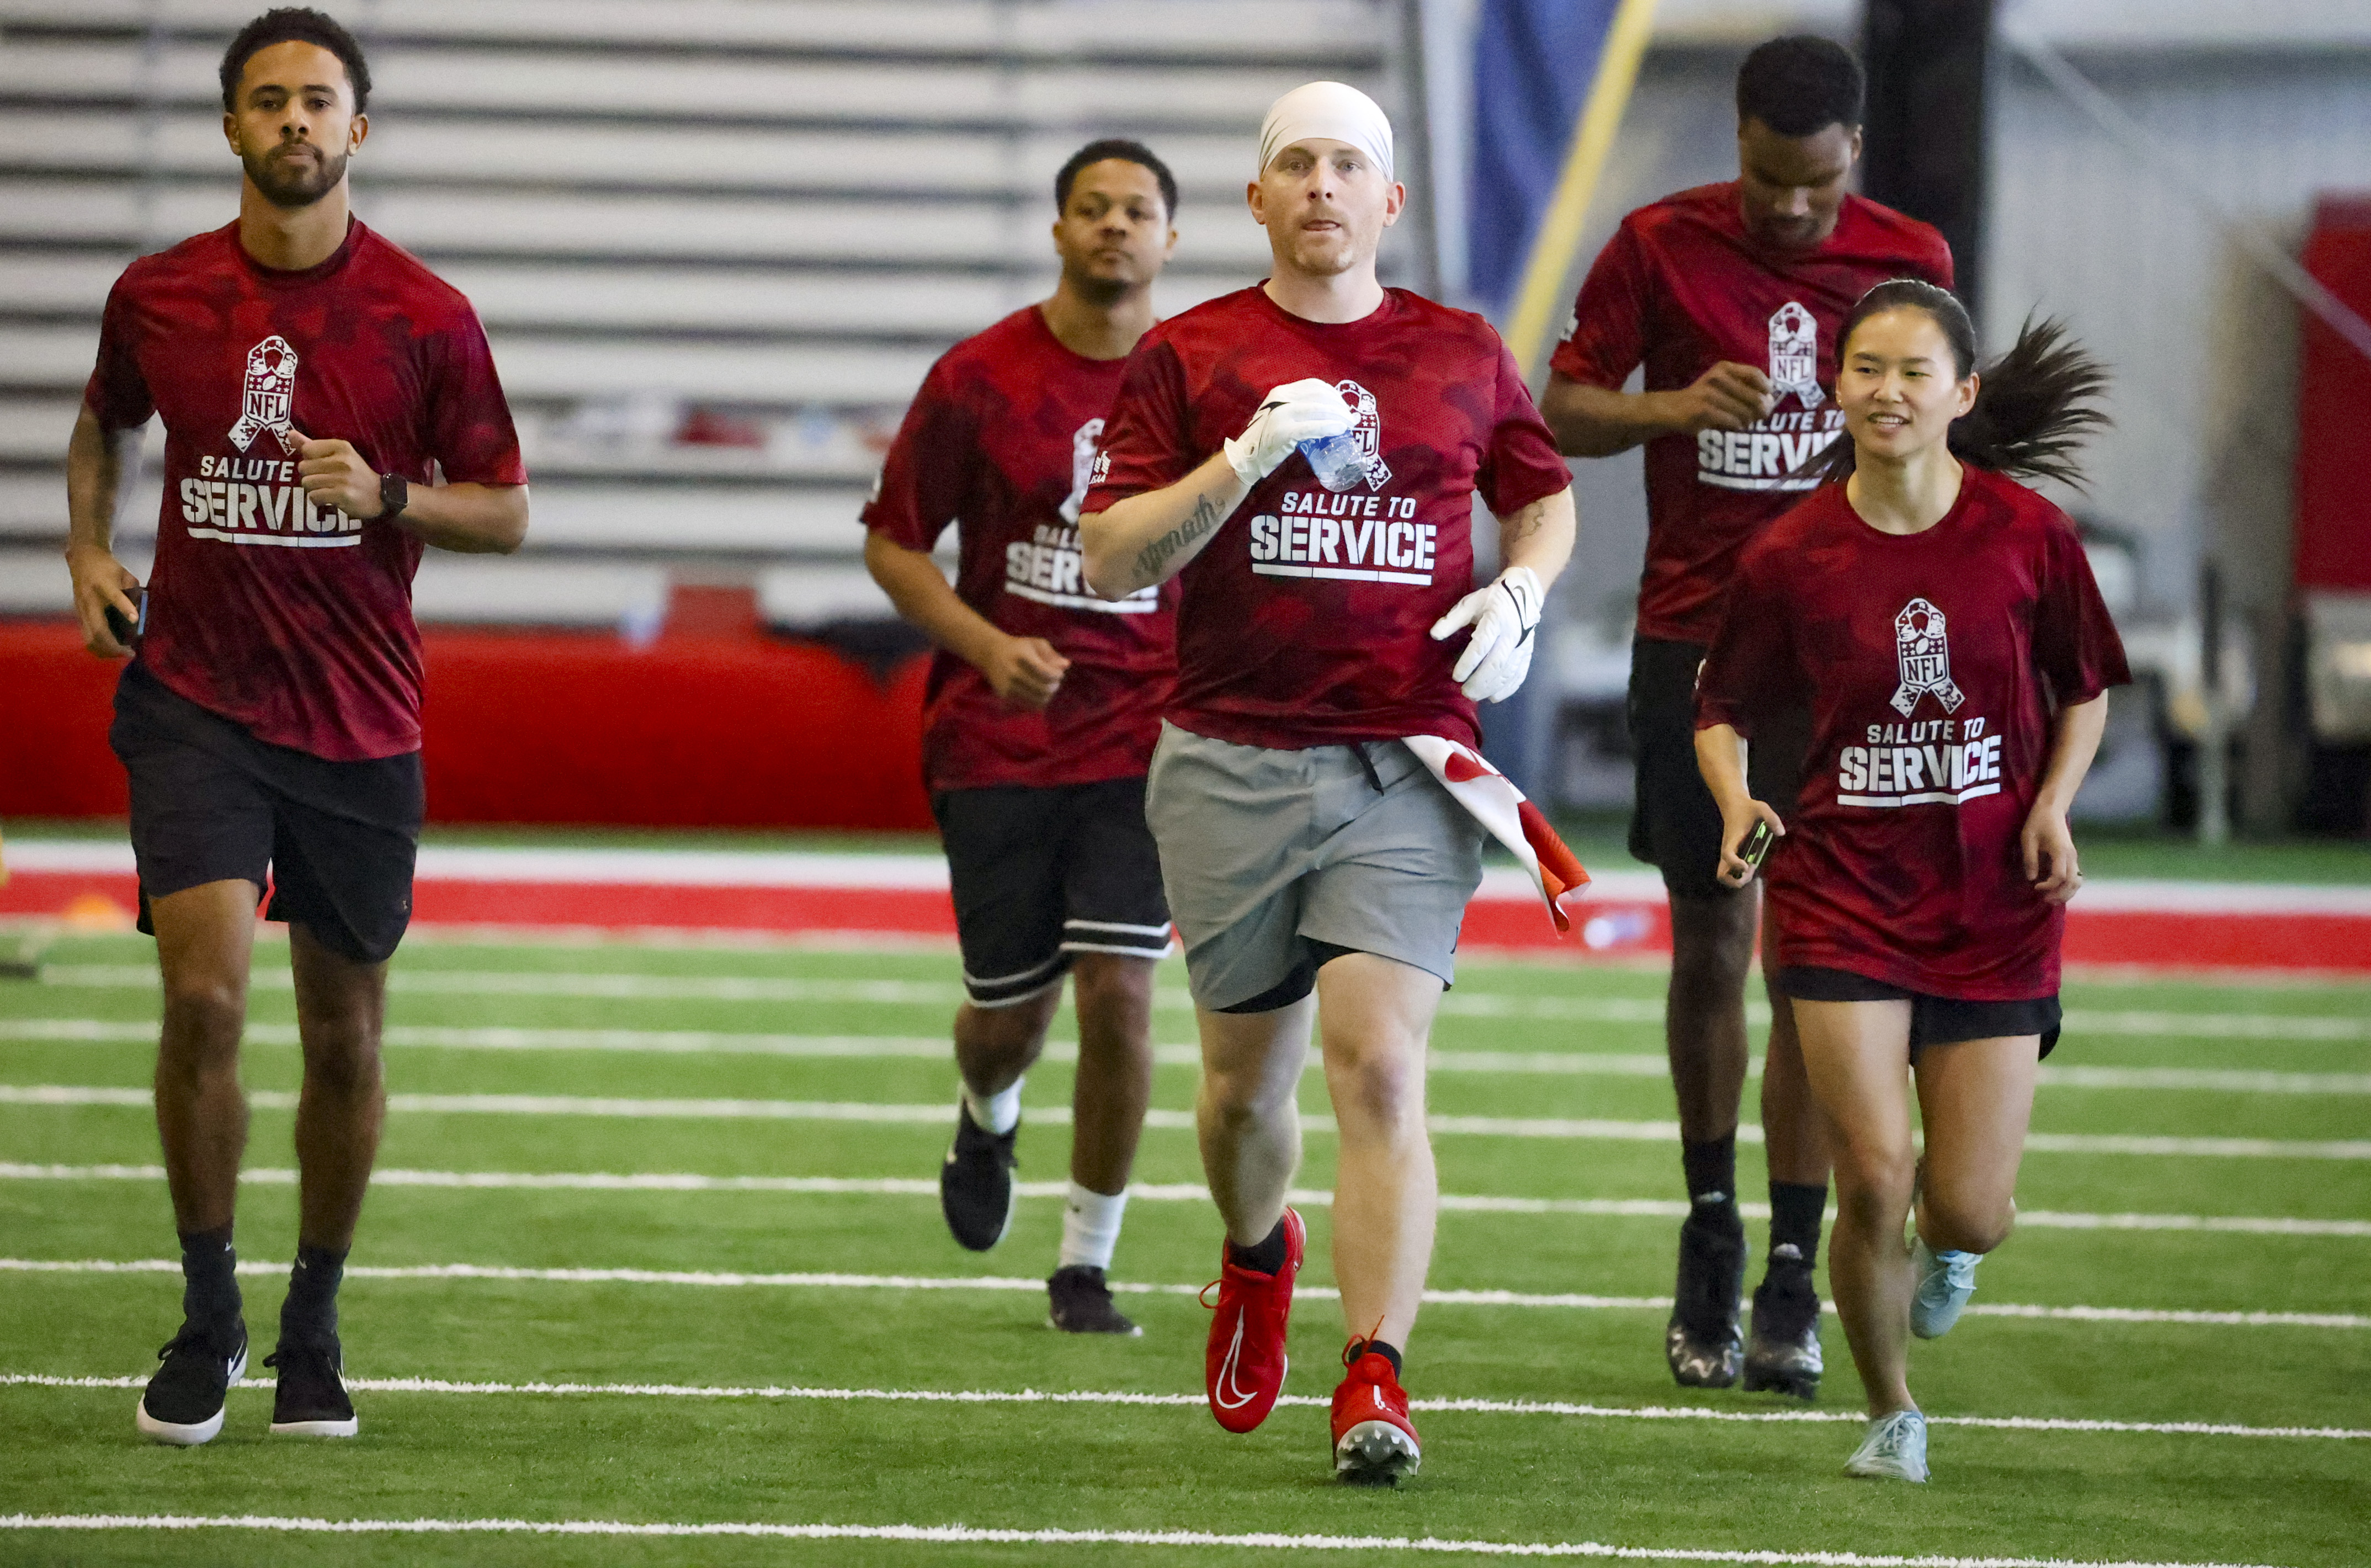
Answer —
293 183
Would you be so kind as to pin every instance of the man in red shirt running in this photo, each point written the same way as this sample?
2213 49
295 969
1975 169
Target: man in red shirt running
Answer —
329 407
1730 295
1302 456
1044 705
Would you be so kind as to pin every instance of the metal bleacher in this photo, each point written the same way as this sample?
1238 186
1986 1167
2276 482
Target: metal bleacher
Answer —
715 242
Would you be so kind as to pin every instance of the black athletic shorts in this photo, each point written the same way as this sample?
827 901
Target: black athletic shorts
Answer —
333 841
1043 874
1933 1021
1674 825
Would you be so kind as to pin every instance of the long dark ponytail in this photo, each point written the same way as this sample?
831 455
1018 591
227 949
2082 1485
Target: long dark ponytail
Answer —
2036 406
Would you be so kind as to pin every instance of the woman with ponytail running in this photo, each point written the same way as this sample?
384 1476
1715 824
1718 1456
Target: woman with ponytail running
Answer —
1942 622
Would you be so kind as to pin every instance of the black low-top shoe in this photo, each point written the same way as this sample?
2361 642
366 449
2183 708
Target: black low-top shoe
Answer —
310 1399
975 1183
1783 1351
1080 1302
1702 1342
183 1403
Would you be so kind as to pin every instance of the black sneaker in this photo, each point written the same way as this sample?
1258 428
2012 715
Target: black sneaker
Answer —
1702 1342
310 1400
1078 1302
183 1403
975 1183
1783 1353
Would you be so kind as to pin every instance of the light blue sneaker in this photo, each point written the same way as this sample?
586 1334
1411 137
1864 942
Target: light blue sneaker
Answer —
1946 1280
1894 1448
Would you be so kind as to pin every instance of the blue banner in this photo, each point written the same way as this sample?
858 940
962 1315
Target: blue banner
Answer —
1534 62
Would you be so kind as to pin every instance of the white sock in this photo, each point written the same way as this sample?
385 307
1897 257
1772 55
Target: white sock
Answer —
998 1113
1091 1227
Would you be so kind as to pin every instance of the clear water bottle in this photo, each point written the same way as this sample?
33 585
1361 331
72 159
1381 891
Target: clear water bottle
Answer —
1335 459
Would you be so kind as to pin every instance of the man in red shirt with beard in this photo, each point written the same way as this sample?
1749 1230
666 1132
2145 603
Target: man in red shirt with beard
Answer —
1302 456
1730 296
1044 705
329 408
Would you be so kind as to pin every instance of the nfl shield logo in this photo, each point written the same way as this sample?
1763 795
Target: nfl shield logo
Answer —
1795 354
1926 656
266 391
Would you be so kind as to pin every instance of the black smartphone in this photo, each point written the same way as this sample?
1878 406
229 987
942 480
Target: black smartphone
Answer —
126 629
1754 847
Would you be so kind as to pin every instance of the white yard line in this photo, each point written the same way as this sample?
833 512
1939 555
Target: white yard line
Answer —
710 1279
1143 1193
731 1043
1460 1003
1126 1396
947 1535
1568 1128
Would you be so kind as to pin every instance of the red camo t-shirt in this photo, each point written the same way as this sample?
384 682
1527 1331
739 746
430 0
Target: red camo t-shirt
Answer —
999 441
1304 620
1932 664
1680 288
294 622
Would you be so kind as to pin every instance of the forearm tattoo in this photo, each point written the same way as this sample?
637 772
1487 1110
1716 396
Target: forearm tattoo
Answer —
1514 530
1207 515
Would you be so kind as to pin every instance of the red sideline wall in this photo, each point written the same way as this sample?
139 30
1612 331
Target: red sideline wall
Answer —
694 730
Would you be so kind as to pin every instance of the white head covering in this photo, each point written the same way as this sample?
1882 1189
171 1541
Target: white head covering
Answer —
1331 109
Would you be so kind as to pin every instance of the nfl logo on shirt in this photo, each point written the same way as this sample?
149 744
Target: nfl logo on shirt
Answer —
268 387
1794 354
1926 655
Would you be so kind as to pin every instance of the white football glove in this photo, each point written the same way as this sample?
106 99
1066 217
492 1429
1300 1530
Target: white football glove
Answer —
1294 412
1503 616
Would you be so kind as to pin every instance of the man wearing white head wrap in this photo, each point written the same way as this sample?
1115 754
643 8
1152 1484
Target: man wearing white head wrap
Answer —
1318 870
1332 111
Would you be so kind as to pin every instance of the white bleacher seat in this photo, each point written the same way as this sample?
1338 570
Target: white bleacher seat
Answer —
458 590
698 518
436 221
802 600
33 506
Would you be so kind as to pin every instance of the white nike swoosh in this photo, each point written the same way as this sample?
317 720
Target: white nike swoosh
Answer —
1227 1383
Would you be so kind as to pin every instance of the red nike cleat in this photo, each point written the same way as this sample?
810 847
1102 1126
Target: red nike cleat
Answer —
1245 1364
1374 1441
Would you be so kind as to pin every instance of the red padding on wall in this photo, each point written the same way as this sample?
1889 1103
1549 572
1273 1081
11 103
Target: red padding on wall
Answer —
55 702
692 732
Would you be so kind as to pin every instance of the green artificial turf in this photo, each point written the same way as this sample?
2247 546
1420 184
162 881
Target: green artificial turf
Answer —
2088 1496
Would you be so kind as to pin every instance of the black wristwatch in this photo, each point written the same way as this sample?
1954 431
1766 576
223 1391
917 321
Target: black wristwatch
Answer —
394 494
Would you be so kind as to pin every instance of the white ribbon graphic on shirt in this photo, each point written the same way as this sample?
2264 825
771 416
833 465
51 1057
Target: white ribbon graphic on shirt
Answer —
1794 354
269 388
1926 655
1086 464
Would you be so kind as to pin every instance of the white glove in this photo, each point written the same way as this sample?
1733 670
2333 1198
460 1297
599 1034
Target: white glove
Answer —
1503 616
1294 412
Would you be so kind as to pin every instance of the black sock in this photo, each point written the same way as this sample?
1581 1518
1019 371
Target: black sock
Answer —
1390 1353
1266 1258
310 1313
1712 1179
209 1278
1795 1221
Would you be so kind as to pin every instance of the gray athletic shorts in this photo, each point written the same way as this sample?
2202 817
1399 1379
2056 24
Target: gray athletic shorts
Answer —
1270 856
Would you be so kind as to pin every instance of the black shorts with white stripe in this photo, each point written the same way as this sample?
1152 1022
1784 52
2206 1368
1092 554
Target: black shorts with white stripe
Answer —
1041 875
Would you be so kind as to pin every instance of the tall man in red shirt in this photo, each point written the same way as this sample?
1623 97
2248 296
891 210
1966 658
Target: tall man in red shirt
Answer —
329 408
1044 705
1730 295
1302 457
